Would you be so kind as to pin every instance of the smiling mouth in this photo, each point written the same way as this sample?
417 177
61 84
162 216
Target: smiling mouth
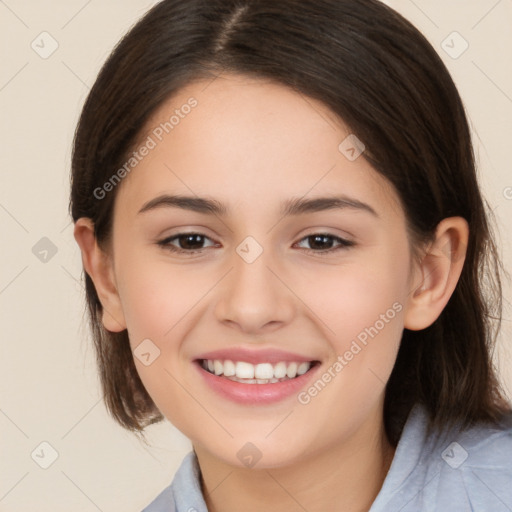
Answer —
262 373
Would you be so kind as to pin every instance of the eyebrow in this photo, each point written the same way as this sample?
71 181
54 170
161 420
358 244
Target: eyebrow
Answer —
294 206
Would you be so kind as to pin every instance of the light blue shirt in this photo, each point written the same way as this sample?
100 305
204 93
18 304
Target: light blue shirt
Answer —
469 471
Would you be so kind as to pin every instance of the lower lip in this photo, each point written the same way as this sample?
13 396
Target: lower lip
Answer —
256 393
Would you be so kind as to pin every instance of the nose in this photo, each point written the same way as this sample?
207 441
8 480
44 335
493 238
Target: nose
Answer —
254 296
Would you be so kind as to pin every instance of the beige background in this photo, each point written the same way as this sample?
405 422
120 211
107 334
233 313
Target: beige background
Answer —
49 390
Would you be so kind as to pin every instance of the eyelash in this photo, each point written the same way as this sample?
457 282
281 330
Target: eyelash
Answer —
343 244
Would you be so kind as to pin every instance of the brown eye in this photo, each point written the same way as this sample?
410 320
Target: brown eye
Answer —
324 243
185 242
193 241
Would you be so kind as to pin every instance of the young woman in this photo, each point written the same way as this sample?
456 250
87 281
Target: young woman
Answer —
284 246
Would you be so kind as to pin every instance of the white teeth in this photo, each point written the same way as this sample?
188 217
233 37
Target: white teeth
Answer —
291 371
244 370
262 373
229 368
303 368
218 367
280 370
254 381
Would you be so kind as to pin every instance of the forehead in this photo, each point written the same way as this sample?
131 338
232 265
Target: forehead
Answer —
248 140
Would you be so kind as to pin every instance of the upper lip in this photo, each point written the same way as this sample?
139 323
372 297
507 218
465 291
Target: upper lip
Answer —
255 356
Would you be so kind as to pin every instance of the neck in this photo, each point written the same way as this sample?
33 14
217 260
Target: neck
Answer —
349 475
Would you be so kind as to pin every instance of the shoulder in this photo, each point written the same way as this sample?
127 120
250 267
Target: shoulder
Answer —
477 467
184 494
465 470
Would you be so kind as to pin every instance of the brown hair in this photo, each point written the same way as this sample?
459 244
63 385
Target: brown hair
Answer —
381 76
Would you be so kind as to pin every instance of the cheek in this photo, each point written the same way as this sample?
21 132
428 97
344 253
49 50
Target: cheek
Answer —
158 302
156 296
363 308
359 298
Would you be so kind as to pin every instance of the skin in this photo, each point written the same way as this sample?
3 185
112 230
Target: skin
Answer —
251 145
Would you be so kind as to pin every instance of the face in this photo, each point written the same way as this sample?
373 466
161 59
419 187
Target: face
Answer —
266 305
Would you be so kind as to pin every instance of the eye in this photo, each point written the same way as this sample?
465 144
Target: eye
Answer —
322 243
185 242
192 242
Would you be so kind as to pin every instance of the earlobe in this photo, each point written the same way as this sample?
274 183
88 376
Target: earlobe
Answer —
437 274
98 266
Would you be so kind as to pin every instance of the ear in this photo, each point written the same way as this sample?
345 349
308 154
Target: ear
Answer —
437 274
98 264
